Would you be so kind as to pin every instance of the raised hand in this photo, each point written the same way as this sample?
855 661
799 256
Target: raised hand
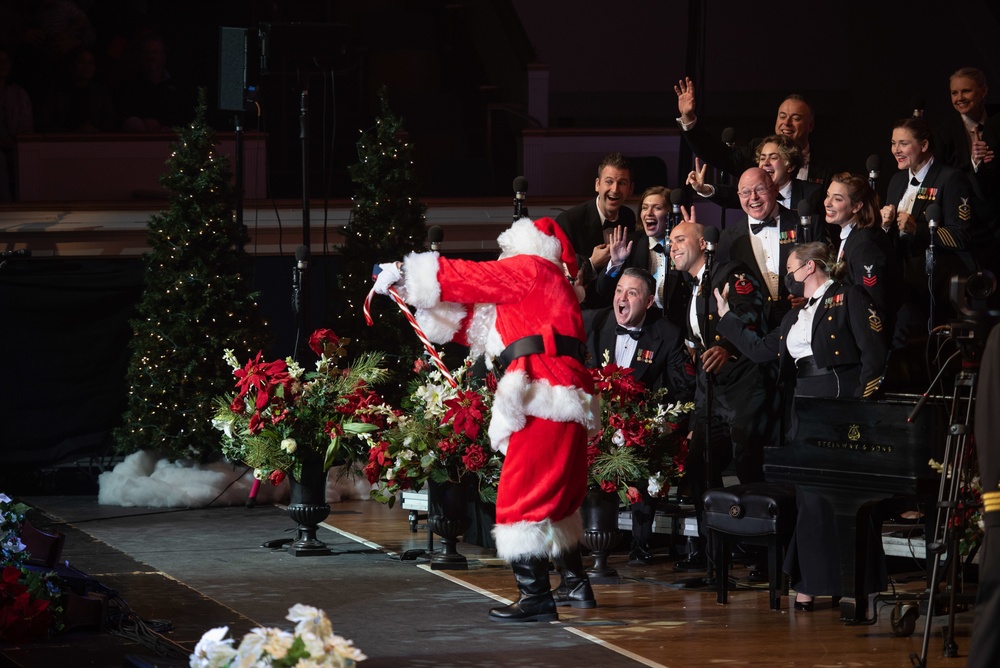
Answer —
688 215
696 178
619 246
685 99
722 301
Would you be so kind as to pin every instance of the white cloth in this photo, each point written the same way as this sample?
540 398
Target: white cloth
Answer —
910 194
693 308
625 348
657 267
799 341
845 232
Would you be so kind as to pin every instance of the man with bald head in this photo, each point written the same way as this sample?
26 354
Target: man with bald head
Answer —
742 416
763 238
795 120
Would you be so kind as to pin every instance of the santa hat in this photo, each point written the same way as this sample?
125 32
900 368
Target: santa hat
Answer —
543 238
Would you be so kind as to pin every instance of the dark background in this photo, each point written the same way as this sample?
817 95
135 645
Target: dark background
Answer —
456 73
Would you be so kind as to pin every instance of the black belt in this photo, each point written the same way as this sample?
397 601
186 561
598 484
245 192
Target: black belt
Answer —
805 367
566 346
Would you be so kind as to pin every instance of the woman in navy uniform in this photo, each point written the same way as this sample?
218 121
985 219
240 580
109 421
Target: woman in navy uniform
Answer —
831 346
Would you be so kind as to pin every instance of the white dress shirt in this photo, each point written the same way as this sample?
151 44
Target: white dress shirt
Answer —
799 340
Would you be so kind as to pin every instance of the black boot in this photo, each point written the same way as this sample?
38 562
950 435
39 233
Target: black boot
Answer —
535 603
574 587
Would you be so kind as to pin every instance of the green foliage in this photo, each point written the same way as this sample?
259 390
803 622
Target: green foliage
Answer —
196 303
387 222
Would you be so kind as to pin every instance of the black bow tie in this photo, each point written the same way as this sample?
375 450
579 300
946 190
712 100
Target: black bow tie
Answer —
914 182
634 333
757 227
812 300
608 224
780 197
658 248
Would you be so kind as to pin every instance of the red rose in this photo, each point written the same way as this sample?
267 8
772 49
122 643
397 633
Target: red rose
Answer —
276 477
420 366
632 495
608 486
447 446
491 382
323 340
474 458
238 405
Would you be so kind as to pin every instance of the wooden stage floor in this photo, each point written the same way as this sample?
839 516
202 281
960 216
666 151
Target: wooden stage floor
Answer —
648 618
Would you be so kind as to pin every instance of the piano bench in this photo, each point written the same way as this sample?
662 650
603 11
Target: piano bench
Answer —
759 513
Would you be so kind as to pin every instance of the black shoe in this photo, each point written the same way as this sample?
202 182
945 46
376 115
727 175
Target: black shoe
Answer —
640 555
535 603
694 563
758 575
805 606
574 588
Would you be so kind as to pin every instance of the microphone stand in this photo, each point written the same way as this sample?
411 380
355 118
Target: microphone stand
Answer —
929 259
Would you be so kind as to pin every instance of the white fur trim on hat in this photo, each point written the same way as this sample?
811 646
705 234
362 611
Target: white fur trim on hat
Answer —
524 540
517 397
420 279
523 238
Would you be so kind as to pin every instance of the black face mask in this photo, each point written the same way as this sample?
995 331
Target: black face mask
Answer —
795 288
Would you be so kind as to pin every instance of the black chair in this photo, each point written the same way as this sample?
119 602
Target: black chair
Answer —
759 514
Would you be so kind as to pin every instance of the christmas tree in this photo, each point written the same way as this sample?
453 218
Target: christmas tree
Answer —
387 221
196 303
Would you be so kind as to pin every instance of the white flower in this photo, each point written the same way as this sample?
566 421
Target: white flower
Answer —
4 498
276 641
230 359
259 474
289 445
309 620
294 369
214 650
655 484
618 438
225 426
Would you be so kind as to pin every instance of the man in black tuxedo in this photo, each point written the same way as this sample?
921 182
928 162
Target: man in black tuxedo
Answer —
649 251
741 402
780 157
588 225
763 239
969 141
795 120
654 351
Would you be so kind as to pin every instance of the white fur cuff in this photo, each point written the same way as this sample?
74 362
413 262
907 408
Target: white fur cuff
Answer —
525 540
420 279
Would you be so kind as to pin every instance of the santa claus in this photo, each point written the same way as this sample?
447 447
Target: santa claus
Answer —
522 310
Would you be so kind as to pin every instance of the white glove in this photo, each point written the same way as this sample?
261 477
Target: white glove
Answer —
389 276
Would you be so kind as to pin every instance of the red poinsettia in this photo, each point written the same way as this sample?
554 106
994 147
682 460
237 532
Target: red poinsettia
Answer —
617 382
466 413
324 341
264 377
22 618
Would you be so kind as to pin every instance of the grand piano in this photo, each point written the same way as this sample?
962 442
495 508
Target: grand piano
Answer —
856 454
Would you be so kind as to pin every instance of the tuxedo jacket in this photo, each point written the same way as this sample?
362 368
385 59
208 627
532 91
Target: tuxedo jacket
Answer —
582 224
735 245
871 264
847 331
674 283
725 196
659 361
737 159
952 148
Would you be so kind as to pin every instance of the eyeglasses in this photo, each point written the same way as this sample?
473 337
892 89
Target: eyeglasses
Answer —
746 192
792 272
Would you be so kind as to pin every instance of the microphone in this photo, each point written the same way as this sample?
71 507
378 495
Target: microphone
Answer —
729 137
20 252
933 214
520 192
872 165
435 234
918 106
805 219
711 238
676 198
298 277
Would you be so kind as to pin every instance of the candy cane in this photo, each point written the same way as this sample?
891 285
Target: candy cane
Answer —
438 362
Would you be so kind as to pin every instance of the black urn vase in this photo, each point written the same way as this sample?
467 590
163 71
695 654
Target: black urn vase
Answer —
307 507
600 533
448 517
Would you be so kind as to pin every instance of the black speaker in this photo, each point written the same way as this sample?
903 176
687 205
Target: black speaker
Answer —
232 68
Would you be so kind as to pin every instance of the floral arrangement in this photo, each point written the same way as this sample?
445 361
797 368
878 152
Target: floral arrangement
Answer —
30 600
310 645
639 438
439 436
968 513
280 415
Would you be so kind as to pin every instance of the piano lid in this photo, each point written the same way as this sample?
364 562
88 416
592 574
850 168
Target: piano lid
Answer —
856 444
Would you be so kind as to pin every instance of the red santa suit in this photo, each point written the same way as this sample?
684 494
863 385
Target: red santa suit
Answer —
544 405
